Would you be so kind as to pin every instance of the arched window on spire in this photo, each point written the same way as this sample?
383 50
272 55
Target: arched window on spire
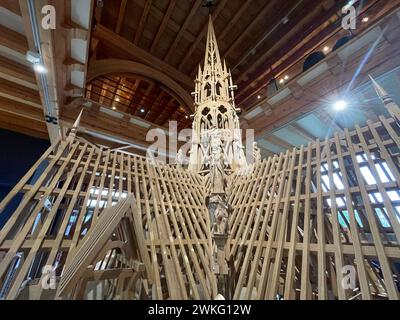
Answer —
218 87
207 89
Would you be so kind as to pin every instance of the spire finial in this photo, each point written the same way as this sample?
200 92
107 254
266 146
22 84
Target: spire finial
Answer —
390 105
209 4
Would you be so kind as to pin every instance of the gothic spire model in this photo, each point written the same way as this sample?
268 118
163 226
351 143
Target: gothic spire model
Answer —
215 119
90 222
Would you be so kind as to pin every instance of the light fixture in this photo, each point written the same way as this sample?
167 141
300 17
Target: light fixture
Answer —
142 110
117 99
258 97
39 68
187 117
340 105
282 81
286 77
35 59
326 49
365 19
114 108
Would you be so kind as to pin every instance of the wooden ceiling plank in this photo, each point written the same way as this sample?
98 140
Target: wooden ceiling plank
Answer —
260 15
214 15
19 91
163 25
11 5
13 40
14 69
183 28
121 16
154 105
144 98
142 21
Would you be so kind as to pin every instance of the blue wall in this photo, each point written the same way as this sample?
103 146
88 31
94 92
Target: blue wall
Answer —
18 153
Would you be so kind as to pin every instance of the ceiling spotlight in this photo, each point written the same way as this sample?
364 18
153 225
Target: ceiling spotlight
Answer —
326 49
365 19
258 97
117 99
286 77
186 117
114 108
39 68
340 105
282 81
142 110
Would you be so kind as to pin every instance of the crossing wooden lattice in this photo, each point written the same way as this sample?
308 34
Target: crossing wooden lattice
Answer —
317 222
298 218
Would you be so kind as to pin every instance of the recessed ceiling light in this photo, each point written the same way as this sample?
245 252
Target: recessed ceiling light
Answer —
187 117
326 49
365 19
340 105
117 99
114 108
142 110
258 97
282 81
286 77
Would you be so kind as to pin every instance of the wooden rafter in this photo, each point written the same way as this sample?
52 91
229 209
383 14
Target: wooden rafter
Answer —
163 25
121 15
142 21
201 35
182 29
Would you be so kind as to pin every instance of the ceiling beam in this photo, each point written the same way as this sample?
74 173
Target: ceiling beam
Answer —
183 28
18 71
301 132
13 40
134 52
121 15
21 109
21 92
193 47
278 142
163 25
20 124
142 21
249 87
11 5
260 15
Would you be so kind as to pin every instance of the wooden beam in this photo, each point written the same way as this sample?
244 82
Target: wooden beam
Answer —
193 47
301 132
121 16
163 25
278 142
21 92
260 15
13 40
11 5
182 29
142 21
116 41
18 71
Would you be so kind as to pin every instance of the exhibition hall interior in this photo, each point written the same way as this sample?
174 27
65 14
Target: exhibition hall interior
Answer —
199 150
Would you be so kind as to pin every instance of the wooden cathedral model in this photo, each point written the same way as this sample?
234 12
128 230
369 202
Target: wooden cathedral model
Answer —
88 222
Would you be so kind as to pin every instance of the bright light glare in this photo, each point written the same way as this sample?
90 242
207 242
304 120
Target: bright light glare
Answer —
38 67
340 105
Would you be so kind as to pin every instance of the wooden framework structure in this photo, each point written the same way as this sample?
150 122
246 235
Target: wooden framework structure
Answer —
112 225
